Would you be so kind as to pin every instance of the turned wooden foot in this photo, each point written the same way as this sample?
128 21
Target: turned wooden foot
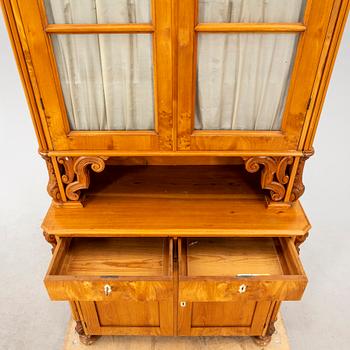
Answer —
85 339
264 340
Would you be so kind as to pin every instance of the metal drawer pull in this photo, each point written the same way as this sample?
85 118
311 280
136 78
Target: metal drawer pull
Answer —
183 304
107 289
242 288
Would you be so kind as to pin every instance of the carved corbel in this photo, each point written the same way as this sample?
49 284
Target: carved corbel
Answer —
50 239
52 186
299 240
274 174
76 173
298 186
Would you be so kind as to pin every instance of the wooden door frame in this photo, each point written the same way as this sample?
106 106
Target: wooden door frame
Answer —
37 48
313 31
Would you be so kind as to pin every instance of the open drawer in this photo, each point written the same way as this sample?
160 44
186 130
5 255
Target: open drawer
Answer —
121 285
229 286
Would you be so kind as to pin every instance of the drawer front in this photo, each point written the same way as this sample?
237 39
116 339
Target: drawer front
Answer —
205 267
242 290
107 290
107 269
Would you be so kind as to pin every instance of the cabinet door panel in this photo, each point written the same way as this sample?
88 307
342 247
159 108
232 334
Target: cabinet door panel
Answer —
223 318
128 318
246 81
103 77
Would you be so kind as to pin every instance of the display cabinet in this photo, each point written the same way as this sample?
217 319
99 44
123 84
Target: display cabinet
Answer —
175 135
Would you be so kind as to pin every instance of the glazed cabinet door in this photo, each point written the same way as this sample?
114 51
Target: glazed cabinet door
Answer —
246 71
101 71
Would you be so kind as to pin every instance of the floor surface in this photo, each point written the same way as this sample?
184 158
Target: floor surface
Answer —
29 321
279 342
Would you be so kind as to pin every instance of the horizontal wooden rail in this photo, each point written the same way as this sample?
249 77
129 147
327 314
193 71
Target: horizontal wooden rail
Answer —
98 28
116 153
251 27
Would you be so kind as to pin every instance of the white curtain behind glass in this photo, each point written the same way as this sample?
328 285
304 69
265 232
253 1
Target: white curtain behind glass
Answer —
243 79
267 11
107 80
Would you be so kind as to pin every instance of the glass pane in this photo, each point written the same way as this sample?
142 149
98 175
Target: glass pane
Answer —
98 11
242 80
253 11
107 80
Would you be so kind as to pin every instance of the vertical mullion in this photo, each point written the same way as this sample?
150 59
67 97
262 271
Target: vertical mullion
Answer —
163 73
186 71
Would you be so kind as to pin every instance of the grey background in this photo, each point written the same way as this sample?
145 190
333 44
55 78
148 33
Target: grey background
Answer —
28 320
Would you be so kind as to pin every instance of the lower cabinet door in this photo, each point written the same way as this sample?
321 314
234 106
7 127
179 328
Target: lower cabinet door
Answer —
230 286
121 285
208 318
128 317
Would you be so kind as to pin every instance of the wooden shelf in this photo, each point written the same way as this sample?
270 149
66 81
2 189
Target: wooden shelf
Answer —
175 201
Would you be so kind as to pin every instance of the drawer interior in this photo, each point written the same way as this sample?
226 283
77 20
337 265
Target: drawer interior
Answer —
104 257
238 257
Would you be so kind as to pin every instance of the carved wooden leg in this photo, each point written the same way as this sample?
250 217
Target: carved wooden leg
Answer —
264 340
299 240
85 339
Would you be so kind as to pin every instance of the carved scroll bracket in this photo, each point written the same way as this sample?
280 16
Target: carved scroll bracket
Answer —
76 173
274 174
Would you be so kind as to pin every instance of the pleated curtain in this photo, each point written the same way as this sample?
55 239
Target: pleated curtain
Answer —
243 79
107 79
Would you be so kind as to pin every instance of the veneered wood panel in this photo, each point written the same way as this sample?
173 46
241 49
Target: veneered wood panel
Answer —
308 56
222 314
126 216
128 313
203 318
155 318
44 73
270 274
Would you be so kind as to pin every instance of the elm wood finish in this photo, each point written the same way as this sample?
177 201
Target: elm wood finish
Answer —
298 186
52 186
123 216
139 272
174 27
197 213
299 240
76 175
275 175
209 288
202 310
51 239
